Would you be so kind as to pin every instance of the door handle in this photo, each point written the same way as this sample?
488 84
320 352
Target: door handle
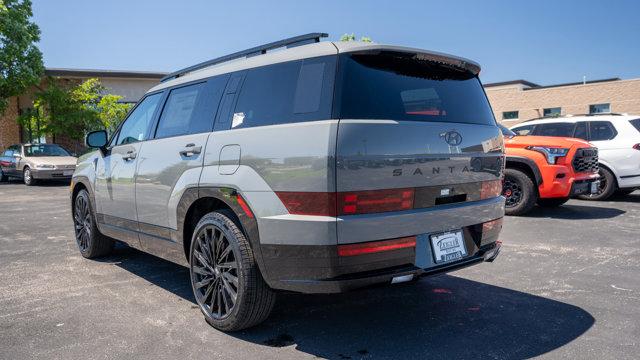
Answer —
130 155
190 150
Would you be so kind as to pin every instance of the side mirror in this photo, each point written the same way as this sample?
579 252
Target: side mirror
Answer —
97 139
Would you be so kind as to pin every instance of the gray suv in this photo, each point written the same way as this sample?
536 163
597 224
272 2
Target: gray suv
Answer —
320 168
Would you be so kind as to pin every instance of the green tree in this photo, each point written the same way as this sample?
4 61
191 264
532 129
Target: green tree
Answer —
73 110
21 63
352 37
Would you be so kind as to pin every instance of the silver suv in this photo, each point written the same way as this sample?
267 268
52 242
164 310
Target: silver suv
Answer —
319 168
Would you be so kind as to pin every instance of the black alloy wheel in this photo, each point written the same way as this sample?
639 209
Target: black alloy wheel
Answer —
91 242
83 223
606 188
214 272
225 277
512 192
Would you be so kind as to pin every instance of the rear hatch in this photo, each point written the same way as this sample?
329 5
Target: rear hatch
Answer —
414 133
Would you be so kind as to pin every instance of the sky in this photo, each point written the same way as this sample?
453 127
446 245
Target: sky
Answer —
546 42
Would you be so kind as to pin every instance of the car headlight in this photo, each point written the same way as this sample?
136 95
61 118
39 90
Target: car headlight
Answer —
551 153
45 166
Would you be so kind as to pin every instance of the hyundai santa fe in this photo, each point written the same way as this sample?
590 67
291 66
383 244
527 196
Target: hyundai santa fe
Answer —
320 168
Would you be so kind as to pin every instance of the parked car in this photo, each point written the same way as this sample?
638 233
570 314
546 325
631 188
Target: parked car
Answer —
617 138
321 168
33 162
547 171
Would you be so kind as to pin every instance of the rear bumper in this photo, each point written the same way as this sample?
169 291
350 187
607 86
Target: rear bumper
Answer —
318 269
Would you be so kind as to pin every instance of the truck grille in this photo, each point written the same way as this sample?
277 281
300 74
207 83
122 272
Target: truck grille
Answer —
586 160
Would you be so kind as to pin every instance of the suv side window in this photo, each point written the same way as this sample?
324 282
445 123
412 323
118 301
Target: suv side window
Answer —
523 130
136 126
581 130
601 130
294 91
181 112
555 129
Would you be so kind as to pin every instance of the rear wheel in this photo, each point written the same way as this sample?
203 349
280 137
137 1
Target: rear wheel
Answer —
225 278
519 192
91 242
552 202
607 186
27 177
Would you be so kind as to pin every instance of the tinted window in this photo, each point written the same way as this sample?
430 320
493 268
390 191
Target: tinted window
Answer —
549 112
555 129
399 86
581 130
8 153
635 123
288 92
510 115
523 130
136 126
45 150
601 130
599 108
180 116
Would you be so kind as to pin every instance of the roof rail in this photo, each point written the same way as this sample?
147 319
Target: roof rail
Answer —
258 50
572 115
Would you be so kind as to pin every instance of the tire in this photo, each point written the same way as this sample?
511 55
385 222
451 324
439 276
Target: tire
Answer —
607 186
621 192
27 177
552 202
213 285
90 241
519 191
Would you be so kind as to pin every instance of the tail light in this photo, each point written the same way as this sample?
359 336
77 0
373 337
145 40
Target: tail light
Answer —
309 203
376 246
491 189
636 146
365 202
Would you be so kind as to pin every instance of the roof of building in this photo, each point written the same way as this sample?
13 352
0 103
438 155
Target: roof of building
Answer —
534 86
86 73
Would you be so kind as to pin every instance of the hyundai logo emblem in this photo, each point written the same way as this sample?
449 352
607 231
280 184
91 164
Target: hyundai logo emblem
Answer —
452 138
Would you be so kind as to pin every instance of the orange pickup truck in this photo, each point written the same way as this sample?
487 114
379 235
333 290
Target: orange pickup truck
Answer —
546 170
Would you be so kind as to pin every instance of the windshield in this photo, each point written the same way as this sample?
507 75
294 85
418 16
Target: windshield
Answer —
399 86
45 150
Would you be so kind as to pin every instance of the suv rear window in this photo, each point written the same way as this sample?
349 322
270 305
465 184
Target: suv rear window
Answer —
635 123
601 130
398 86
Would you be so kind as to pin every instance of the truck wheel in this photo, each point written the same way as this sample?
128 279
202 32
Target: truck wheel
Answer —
27 177
225 278
552 202
519 192
606 189
90 241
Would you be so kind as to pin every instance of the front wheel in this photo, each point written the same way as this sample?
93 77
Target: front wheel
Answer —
225 278
606 189
27 177
91 242
519 192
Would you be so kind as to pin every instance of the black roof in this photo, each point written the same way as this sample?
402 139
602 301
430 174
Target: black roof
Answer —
61 72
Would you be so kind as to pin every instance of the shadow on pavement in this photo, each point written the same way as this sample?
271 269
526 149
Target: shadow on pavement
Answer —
630 198
575 212
437 317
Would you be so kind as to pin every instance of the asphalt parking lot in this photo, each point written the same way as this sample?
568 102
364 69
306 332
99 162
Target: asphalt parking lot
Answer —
567 285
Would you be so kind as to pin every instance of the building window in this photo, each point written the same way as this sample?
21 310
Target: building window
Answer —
509 115
599 108
552 112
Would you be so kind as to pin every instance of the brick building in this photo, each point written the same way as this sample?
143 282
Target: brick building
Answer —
129 84
519 100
